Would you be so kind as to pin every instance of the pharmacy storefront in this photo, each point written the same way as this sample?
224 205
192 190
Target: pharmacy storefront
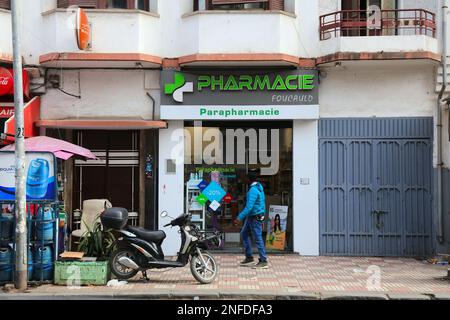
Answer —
224 123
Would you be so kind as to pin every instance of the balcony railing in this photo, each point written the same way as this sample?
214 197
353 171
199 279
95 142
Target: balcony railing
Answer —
356 23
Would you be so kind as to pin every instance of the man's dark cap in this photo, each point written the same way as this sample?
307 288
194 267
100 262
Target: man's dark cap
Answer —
253 174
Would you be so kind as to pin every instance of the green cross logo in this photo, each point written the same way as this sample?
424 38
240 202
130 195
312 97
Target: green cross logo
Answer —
178 87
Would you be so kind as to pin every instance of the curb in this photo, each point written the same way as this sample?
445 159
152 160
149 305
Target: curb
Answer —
353 296
224 295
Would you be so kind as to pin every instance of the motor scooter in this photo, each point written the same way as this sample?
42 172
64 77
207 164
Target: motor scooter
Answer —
138 249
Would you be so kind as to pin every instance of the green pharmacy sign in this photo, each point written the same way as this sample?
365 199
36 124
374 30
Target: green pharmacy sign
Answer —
256 82
240 94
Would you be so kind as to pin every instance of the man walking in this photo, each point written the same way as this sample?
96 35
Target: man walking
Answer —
253 217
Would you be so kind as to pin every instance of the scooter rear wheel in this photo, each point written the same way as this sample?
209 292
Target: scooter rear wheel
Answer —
204 274
120 271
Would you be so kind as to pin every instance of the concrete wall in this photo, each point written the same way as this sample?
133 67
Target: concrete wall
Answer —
326 7
306 204
171 186
104 94
413 43
430 5
5 27
377 89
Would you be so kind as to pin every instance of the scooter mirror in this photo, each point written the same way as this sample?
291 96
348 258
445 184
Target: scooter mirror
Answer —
164 214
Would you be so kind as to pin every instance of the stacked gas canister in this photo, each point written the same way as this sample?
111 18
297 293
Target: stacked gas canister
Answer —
41 224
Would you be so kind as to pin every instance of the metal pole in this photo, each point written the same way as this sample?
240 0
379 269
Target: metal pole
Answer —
21 251
439 198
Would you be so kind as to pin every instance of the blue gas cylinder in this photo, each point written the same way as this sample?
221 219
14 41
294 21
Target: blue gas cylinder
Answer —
6 264
30 264
45 224
43 263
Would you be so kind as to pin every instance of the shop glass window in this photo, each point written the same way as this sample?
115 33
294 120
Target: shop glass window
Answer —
215 151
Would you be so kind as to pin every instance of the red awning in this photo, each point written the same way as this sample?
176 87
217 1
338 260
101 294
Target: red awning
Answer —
102 124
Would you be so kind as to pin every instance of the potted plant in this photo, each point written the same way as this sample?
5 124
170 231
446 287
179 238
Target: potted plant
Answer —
95 243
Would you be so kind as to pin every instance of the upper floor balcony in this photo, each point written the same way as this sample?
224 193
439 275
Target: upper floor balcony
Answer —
5 29
124 33
378 34
247 32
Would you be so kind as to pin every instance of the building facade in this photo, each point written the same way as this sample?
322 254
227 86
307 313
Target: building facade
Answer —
337 101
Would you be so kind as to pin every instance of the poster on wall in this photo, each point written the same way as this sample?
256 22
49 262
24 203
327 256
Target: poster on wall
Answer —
40 179
276 229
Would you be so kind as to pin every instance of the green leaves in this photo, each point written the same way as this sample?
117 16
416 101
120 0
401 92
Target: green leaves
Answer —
97 242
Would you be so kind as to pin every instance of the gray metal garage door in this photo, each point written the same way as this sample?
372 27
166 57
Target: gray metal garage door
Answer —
376 186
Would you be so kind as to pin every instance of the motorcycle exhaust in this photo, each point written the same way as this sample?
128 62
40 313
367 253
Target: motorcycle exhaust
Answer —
127 262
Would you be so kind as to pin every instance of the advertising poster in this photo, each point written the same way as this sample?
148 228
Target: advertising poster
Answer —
276 229
40 180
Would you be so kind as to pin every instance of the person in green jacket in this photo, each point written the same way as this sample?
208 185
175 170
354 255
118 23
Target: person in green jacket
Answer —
253 218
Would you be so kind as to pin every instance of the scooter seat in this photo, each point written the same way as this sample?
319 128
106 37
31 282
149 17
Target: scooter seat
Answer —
152 236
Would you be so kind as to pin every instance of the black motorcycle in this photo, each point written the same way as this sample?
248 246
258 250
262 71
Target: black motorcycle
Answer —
139 249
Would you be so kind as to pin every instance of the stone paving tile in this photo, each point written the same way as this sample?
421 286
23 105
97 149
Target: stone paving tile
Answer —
293 273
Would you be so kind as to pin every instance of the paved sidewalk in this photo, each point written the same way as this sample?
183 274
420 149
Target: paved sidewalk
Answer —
289 277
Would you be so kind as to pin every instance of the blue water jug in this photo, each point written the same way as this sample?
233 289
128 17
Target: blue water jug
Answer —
6 264
30 264
38 178
45 224
43 263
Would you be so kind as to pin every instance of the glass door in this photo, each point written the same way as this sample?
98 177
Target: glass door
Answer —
240 147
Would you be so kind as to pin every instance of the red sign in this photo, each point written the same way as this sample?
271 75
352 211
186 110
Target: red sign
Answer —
6 112
227 199
6 81
83 29
31 113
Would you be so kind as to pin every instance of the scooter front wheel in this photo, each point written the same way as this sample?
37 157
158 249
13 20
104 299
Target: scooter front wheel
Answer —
121 271
204 268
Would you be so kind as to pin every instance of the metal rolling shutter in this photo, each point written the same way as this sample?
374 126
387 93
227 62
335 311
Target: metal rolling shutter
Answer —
376 186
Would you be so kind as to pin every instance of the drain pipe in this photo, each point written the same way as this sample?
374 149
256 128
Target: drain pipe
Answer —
440 233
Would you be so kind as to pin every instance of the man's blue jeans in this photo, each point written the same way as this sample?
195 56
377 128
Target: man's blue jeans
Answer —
253 225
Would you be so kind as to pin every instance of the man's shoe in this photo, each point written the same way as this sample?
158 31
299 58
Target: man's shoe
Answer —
261 265
247 260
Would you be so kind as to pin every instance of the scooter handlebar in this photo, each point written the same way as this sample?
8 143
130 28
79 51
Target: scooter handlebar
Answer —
169 224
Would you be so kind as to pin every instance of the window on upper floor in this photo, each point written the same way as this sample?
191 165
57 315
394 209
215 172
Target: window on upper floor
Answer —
118 4
200 5
5 4
107 4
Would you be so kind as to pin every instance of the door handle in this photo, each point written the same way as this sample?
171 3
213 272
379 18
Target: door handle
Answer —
378 214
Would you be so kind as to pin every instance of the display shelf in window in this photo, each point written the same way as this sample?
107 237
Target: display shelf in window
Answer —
193 207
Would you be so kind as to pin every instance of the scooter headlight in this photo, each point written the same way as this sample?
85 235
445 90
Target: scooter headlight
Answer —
187 228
